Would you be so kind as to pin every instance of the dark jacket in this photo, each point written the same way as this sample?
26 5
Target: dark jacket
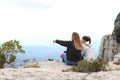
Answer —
72 53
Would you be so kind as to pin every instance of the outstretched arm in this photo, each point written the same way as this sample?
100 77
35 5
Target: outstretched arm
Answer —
62 43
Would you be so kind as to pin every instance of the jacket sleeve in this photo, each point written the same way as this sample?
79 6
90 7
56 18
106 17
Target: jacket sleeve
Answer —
63 43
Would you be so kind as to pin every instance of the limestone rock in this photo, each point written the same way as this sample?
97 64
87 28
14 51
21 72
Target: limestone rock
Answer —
117 59
116 31
108 47
33 65
52 70
110 44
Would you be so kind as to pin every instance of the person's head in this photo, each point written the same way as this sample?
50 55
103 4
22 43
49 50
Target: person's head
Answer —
86 39
75 36
76 39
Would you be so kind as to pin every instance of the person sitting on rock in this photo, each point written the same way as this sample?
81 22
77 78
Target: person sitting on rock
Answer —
87 51
74 48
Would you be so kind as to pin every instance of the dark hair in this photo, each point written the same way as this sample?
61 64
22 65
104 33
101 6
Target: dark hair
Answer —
87 38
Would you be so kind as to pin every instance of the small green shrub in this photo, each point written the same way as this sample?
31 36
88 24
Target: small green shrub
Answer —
2 60
8 52
87 66
12 58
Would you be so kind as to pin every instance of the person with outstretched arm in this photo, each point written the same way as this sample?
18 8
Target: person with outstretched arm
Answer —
74 47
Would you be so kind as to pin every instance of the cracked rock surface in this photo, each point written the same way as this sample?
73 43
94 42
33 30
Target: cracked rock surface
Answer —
52 70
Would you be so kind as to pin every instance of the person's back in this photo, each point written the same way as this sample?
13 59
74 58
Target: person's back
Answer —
72 53
87 52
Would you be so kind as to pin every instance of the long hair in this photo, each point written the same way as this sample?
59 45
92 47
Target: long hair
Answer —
77 42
